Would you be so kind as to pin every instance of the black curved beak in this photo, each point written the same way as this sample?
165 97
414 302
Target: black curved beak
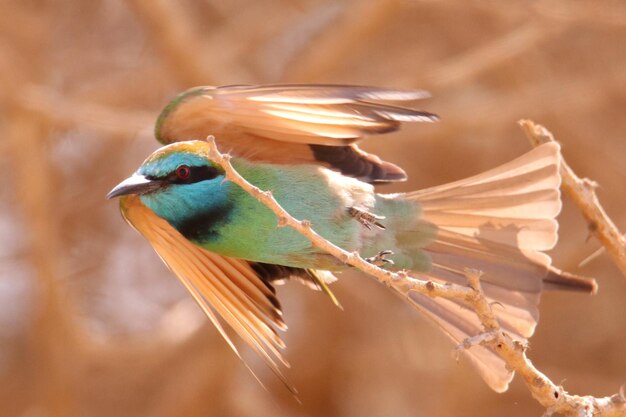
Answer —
136 184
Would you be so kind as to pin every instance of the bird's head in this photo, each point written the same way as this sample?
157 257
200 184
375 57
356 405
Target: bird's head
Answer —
180 184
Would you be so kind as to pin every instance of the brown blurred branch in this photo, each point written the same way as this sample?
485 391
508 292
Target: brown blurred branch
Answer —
68 112
172 32
359 21
583 192
54 335
608 14
551 92
474 62
551 396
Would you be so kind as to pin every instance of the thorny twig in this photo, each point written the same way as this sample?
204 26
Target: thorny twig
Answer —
551 396
583 192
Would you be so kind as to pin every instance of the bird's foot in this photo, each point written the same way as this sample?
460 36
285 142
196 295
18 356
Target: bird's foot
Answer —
380 259
366 218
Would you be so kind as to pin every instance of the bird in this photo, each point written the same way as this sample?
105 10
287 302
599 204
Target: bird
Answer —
300 142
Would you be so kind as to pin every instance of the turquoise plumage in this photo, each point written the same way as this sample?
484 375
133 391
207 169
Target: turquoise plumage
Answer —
226 248
221 217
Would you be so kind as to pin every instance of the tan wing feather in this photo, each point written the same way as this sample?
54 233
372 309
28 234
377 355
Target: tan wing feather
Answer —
293 123
311 114
219 284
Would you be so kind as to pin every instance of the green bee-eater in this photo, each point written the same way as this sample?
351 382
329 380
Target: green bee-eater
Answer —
299 142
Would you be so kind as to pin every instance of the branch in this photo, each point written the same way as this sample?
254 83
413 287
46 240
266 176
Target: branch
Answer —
551 396
583 192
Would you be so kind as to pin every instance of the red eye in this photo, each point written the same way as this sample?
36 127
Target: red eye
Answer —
183 172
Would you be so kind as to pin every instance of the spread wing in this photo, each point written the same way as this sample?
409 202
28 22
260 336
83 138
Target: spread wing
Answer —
226 286
294 123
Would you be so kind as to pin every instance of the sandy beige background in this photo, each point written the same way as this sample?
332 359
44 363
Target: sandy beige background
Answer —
91 322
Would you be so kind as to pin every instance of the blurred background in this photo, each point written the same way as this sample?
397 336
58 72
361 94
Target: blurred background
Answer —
91 322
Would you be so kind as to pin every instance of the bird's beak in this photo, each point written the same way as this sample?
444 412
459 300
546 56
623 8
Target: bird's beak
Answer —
136 184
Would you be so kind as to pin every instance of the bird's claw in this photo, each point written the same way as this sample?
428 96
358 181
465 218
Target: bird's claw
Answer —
366 218
380 259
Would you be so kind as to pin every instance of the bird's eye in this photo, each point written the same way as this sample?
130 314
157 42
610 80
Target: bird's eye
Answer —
183 172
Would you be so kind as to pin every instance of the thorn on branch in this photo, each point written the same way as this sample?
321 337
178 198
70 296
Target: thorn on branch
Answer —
520 346
539 382
620 397
467 343
345 258
592 229
473 278
590 184
402 274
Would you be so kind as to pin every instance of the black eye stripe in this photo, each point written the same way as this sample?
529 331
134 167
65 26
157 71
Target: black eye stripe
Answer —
196 174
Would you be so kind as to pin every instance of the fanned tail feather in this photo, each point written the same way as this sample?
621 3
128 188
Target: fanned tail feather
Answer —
498 222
